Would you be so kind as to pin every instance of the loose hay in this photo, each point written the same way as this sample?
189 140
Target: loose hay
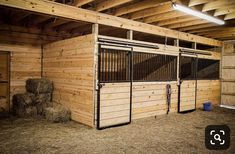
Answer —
38 86
57 113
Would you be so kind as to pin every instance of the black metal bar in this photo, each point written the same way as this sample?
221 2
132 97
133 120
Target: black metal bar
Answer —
111 126
179 84
196 65
131 80
98 92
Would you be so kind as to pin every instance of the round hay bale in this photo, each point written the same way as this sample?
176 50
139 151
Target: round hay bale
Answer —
57 113
39 85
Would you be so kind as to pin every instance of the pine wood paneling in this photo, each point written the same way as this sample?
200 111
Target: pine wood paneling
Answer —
69 64
25 63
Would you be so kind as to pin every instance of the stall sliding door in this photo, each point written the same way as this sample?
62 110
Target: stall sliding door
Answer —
114 94
188 83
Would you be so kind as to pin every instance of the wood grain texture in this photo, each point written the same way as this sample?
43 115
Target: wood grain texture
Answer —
69 64
25 63
228 74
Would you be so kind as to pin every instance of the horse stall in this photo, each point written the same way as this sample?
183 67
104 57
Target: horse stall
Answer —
109 76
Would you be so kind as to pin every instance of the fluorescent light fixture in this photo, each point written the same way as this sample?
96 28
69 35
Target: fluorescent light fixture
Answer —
197 14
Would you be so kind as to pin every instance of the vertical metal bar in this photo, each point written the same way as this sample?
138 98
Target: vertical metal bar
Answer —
105 65
109 65
112 65
196 65
102 66
98 92
179 84
131 72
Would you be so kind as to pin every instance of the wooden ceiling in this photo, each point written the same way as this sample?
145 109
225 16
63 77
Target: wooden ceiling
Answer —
161 13
156 12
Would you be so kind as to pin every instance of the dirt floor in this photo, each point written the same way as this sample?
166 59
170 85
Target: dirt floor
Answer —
174 133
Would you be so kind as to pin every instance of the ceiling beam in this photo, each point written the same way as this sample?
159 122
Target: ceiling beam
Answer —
138 6
78 14
216 4
220 31
104 5
203 30
79 3
197 27
153 11
186 24
223 11
198 2
163 16
229 16
176 20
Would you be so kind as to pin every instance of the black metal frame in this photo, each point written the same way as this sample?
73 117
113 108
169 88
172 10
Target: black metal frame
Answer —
99 87
180 82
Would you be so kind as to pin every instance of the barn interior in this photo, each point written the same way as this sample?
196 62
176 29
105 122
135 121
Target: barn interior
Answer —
115 63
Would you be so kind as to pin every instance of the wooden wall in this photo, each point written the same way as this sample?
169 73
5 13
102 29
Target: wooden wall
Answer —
25 63
208 90
149 98
69 64
228 75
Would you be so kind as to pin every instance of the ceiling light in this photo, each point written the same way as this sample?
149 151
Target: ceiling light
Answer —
198 14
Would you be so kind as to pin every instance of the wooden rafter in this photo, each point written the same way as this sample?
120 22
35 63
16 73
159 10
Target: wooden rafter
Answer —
203 30
197 27
216 4
229 16
186 24
163 16
198 2
138 6
110 4
79 3
220 32
223 11
153 11
176 20
78 14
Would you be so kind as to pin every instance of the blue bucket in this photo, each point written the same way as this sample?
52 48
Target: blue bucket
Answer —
207 106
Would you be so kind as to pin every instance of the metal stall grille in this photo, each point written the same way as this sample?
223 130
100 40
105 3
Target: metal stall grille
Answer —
154 67
114 94
114 66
